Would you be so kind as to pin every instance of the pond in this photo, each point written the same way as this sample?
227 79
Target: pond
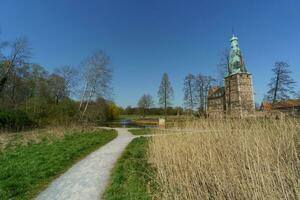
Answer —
126 123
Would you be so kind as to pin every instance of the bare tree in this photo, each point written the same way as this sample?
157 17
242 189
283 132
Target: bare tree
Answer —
165 93
2 46
223 66
281 84
57 88
298 95
145 102
20 52
189 91
202 85
97 78
69 75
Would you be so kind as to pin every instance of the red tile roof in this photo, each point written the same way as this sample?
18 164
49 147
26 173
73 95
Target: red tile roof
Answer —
280 104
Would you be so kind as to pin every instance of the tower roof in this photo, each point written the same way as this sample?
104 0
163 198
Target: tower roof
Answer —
233 38
236 62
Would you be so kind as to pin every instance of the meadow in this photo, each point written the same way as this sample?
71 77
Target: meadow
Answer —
140 131
132 175
30 160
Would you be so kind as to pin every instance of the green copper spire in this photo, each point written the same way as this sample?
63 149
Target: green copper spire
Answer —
236 62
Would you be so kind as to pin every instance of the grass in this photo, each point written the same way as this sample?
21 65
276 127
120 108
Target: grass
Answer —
140 131
135 117
131 176
229 159
10 139
27 169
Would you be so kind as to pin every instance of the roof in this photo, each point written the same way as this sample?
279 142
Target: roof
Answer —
215 91
266 106
281 104
234 38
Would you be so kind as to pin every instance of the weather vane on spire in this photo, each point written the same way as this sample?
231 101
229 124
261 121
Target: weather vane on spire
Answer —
232 31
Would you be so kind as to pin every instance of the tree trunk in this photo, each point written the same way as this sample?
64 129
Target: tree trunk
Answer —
165 103
276 87
82 96
191 97
87 103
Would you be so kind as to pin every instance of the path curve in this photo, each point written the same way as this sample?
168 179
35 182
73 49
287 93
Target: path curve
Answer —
87 179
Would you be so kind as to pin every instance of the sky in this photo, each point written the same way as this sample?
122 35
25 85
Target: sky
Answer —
145 38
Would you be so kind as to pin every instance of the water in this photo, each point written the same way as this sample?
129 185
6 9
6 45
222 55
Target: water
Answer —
126 123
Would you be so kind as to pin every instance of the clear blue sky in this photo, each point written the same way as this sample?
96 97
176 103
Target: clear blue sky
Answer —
145 38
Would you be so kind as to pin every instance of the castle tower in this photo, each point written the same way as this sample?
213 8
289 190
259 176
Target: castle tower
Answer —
239 100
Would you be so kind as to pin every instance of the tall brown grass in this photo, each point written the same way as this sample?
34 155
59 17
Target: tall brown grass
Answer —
228 159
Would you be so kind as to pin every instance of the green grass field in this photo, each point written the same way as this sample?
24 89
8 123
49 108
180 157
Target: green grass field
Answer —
27 169
140 131
132 174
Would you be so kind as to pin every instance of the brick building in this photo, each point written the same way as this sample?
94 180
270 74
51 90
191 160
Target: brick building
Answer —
290 107
236 97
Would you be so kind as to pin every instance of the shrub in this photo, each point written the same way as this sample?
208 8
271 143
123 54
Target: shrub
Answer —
65 112
14 120
113 111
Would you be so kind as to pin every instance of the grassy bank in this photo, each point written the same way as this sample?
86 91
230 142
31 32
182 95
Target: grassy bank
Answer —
140 131
131 177
27 167
135 117
229 159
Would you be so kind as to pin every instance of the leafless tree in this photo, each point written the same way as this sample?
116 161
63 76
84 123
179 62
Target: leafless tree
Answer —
298 95
165 93
189 91
57 88
223 66
3 45
20 53
97 79
145 102
281 84
202 85
70 77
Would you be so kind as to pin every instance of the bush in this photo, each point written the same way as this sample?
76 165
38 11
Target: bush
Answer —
65 112
14 120
113 111
37 109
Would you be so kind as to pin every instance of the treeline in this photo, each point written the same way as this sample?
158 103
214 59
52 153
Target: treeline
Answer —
152 111
195 90
31 96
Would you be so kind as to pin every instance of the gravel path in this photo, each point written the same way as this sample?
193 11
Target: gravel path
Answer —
87 179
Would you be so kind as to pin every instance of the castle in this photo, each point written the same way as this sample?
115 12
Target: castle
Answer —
236 97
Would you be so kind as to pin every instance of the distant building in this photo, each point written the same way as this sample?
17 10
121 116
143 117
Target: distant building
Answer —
216 101
290 107
236 97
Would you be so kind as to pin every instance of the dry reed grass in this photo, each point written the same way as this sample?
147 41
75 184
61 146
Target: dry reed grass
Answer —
227 159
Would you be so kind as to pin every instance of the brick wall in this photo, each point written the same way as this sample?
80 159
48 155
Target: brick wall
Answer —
239 99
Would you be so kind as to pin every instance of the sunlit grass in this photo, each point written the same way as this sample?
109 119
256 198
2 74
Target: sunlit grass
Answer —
141 131
27 168
132 175
229 159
